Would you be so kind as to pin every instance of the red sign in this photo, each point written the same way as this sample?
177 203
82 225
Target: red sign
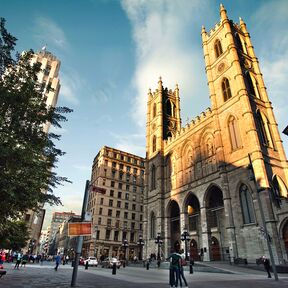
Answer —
79 228
98 189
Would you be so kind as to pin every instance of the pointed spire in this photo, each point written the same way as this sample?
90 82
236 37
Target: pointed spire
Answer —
160 86
203 33
223 13
242 25
149 94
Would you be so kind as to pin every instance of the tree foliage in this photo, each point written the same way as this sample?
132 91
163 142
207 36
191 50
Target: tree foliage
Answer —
28 155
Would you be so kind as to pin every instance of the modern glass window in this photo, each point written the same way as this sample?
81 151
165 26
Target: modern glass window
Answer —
226 89
246 205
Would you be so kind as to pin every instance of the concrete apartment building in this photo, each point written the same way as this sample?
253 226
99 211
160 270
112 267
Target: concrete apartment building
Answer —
49 75
198 177
117 213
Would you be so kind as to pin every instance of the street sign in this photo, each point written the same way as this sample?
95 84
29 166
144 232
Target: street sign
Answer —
80 229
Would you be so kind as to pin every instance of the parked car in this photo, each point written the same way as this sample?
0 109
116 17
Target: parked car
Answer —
81 261
108 262
92 261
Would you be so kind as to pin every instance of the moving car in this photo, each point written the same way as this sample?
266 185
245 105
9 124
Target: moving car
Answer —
108 262
92 261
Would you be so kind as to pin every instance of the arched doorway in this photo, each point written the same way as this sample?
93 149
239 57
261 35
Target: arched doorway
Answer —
285 237
215 216
174 223
194 250
215 249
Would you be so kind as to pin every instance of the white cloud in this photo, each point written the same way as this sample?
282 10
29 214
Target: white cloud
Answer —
161 31
71 84
48 32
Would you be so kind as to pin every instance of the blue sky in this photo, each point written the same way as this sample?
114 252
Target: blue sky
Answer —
113 51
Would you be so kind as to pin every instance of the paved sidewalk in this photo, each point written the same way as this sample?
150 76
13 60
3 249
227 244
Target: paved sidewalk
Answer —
44 276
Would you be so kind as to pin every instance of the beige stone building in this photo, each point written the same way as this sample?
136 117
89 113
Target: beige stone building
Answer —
49 76
116 204
197 176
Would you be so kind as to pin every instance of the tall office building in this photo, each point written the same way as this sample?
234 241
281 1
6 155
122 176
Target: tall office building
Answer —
116 204
197 176
50 66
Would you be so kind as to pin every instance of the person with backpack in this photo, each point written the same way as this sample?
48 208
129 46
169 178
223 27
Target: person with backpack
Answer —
174 269
181 269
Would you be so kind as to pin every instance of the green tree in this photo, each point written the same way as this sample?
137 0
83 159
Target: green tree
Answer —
28 155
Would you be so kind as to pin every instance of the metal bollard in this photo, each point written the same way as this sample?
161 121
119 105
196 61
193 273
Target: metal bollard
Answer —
114 269
191 268
147 265
86 265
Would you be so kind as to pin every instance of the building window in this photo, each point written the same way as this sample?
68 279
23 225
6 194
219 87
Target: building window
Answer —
115 155
126 205
127 187
113 173
109 222
246 205
99 221
111 193
100 210
118 204
142 164
121 166
140 227
101 201
98 235
103 182
120 175
116 235
128 169
226 89
141 217
117 213
134 207
122 157
120 185
132 236
125 227
134 188
125 215
112 184
264 129
105 172
129 159
218 48
234 133
154 144
132 225
119 195
127 177
154 110
135 170
107 236
114 164
152 226
133 216
117 224
134 198
135 161
110 202
110 212
47 70
153 177
141 208
127 196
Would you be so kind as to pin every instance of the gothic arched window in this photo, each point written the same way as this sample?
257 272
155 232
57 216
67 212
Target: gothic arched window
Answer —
154 110
226 89
238 42
152 225
154 144
234 133
169 108
153 177
218 48
246 205
264 129
250 86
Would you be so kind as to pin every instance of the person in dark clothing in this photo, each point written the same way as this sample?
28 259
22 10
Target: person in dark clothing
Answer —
266 263
57 260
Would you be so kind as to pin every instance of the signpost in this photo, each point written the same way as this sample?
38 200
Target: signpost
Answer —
79 229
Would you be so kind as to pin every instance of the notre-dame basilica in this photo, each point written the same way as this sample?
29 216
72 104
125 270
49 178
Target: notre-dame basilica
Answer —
199 177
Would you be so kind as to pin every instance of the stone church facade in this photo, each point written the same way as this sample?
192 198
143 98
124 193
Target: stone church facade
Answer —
198 176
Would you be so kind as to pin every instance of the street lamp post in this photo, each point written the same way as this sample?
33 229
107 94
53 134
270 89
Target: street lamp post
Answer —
158 241
140 243
125 246
185 237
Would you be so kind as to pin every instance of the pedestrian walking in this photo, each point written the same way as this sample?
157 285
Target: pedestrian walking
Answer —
67 259
174 269
266 263
58 261
181 269
18 260
24 260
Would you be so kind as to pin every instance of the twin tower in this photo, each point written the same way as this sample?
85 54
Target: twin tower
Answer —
197 177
